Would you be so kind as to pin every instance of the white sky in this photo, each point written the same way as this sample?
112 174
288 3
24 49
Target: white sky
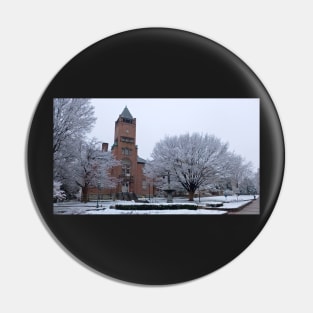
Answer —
235 121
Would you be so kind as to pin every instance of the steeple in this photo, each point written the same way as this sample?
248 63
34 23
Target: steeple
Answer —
126 114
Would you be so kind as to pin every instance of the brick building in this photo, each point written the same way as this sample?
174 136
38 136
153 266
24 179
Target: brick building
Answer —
131 180
125 149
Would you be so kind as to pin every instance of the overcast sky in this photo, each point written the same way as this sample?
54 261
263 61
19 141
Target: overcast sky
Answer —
235 121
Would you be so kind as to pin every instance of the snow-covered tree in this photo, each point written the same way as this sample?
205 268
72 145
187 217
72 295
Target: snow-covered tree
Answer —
72 119
247 186
152 174
192 160
90 168
237 169
256 181
158 177
58 194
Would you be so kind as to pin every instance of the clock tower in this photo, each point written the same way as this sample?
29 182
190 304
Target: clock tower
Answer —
125 149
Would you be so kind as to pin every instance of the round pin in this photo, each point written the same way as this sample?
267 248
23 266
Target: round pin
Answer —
155 156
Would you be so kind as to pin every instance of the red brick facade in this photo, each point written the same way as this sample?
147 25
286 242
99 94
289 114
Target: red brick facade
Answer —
130 173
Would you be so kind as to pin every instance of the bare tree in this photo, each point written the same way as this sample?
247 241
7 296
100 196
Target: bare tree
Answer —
193 160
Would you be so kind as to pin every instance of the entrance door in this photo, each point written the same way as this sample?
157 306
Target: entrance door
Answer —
125 187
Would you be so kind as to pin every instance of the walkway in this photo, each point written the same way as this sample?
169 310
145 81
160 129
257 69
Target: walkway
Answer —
251 209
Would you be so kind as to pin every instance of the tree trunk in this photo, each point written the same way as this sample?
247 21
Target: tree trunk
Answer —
191 195
84 197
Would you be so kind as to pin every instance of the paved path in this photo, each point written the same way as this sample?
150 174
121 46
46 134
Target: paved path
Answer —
252 208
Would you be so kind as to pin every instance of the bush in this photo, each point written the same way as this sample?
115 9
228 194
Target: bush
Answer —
156 207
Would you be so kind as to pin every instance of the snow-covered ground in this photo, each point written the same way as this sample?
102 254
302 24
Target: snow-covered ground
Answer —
229 203
156 212
107 207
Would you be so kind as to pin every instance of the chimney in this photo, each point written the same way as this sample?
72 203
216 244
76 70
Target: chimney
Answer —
105 146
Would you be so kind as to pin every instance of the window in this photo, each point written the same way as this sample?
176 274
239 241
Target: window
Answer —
126 151
126 167
128 139
127 120
144 185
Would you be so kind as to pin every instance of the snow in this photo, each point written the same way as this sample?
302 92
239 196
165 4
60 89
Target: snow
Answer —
107 207
229 203
156 212
156 203
228 198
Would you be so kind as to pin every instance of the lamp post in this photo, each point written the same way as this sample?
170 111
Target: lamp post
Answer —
98 186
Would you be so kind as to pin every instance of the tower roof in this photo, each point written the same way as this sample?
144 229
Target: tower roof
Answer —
126 114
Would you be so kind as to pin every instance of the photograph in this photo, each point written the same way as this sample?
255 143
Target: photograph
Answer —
156 156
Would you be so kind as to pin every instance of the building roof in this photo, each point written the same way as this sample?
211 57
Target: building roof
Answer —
140 160
126 114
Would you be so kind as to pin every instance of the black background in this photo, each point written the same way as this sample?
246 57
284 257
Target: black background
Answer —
155 63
